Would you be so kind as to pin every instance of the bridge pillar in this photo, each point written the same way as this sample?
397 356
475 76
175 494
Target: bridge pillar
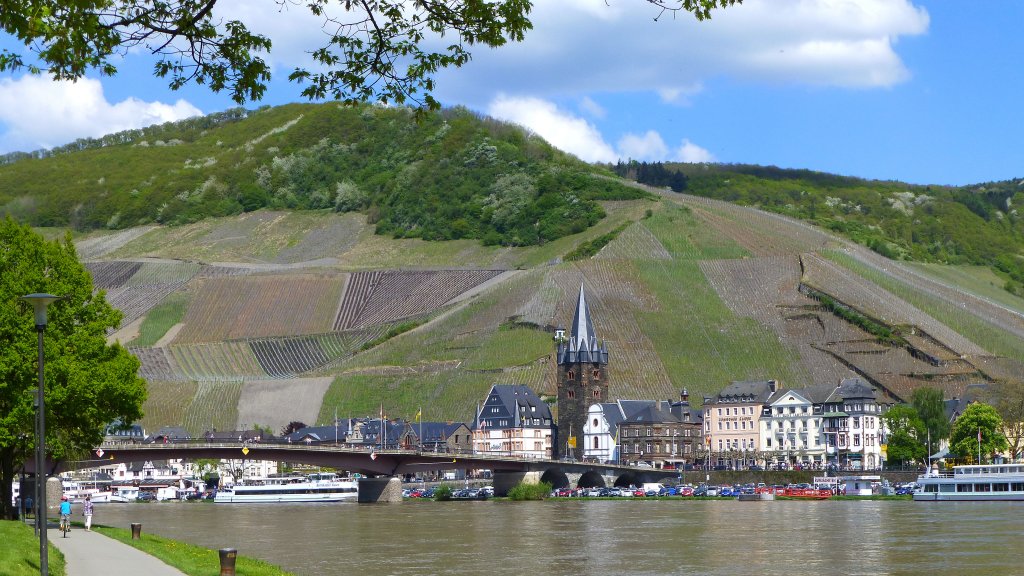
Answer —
505 481
384 489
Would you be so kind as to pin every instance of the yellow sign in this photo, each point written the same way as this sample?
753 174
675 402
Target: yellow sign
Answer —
245 451
572 441
885 450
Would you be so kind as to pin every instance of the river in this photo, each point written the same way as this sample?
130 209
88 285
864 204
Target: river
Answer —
606 537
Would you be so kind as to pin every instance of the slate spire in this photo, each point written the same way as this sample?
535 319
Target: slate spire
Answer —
582 345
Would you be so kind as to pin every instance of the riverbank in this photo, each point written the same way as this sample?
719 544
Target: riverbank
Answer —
20 554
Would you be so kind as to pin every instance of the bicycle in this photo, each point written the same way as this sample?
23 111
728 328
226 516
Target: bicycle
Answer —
65 524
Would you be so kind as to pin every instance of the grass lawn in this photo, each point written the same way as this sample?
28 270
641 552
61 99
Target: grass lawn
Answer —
19 556
190 559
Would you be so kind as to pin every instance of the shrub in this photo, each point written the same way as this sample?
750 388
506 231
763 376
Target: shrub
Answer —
443 493
524 491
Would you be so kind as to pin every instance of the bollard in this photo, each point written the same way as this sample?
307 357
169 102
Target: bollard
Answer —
136 531
227 561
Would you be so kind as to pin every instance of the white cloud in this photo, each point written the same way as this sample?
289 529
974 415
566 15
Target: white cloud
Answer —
563 130
587 46
648 146
690 152
36 112
581 138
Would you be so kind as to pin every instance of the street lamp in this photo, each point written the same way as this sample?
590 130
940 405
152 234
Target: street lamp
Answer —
39 303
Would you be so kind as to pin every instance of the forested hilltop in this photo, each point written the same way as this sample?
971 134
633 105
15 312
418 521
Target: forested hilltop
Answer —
977 224
446 176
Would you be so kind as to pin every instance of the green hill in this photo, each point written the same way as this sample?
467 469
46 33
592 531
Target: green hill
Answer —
274 311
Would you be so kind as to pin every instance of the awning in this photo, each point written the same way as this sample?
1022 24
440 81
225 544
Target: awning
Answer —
834 415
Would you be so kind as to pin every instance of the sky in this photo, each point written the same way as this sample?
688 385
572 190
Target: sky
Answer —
924 92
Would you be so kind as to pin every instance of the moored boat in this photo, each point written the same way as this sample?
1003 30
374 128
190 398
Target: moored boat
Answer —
972 482
319 487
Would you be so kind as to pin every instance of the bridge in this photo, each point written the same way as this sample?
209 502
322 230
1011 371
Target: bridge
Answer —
382 469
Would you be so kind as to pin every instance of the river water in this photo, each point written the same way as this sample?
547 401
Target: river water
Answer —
605 537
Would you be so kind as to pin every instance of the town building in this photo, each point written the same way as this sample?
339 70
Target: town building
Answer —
791 429
732 428
513 421
621 431
853 427
582 379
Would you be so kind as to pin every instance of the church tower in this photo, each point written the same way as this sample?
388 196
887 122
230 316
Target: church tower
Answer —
582 379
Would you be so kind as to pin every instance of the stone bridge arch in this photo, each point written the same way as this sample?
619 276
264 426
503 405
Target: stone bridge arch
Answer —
556 477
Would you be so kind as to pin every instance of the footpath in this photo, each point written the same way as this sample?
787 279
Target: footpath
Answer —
93 554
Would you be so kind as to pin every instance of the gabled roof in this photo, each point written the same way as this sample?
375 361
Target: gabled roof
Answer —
436 431
855 388
515 404
582 345
651 414
745 392
324 433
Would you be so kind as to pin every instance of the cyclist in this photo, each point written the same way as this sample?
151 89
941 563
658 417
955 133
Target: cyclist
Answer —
65 515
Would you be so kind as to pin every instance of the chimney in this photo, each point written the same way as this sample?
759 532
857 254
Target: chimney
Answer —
684 396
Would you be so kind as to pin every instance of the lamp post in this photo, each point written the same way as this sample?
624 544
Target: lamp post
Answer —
39 303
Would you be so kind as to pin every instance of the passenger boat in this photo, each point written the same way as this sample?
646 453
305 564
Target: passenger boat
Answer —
319 487
973 482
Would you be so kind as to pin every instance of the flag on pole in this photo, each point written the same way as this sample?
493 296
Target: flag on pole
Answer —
979 435
419 414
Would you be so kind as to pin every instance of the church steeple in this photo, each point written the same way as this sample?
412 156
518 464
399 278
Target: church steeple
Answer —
582 345
582 379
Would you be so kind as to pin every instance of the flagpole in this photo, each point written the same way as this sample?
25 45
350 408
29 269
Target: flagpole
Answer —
419 415
979 445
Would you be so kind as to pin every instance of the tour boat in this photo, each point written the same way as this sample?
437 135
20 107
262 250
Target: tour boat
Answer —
972 482
319 487
123 494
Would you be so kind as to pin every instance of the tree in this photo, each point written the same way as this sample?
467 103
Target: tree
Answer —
1007 397
293 426
375 49
932 409
89 384
978 420
906 435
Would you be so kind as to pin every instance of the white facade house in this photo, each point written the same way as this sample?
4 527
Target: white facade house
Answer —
513 421
791 430
853 427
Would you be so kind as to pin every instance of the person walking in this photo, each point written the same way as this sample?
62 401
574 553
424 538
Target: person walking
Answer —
87 511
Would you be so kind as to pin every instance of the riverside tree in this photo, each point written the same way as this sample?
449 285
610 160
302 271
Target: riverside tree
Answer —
907 435
977 430
375 50
88 383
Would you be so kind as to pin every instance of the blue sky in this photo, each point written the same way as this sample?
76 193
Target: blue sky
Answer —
926 92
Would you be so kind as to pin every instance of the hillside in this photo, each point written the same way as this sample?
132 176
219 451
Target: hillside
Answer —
267 314
693 293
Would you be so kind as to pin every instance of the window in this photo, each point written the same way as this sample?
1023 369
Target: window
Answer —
769 442
597 374
648 433
597 394
856 440
719 444
595 423
856 422
595 443
570 375
570 394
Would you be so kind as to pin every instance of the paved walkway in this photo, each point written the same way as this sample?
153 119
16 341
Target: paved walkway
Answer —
93 554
